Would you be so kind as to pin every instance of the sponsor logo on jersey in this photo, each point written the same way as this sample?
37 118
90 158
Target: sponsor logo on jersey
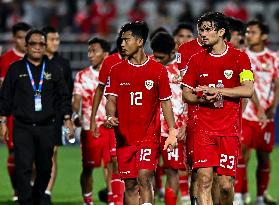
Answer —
228 74
149 84
204 75
124 84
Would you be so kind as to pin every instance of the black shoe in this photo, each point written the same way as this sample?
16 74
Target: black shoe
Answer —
103 195
46 200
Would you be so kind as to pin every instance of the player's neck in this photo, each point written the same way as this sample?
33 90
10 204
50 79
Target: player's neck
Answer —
19 52
219 47
138 58
34 61
49 55
97 67
257 48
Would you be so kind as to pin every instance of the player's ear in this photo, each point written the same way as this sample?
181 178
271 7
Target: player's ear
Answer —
140 41
221 32
264 37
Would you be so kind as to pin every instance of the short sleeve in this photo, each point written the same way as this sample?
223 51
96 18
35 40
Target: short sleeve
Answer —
104 72
164 85
111 84
182 58
244 62
190 77
78 89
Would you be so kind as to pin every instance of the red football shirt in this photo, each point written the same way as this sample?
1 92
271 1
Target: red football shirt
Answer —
139 90
206 69
110 61
7 59
186 51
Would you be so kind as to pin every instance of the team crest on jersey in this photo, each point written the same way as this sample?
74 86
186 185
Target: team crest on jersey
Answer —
228 74
148 84
178 57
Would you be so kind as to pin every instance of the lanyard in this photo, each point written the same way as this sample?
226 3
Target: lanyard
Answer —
39 90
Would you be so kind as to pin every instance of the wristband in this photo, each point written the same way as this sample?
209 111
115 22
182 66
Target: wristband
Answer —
67 118
75 116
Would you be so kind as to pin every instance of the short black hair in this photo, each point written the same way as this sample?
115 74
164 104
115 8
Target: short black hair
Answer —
183 26
33 31
138 28
163 43
263 26
236 25
21 26
218 19
103 43
49 29
160 29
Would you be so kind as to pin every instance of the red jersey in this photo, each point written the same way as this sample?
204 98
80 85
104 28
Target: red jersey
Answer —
110 61
186 51
206 69
7 59
139 90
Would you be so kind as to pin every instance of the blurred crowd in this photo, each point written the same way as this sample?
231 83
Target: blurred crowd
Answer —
105 16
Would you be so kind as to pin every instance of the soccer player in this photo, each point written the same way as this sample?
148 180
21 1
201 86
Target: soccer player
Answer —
183 33
116 187
163 47
52 46
19 32
237 31
265 64
135 89
94 148
215 81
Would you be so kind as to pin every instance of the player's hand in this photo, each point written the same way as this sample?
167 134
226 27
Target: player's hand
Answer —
69 124
262 117
270 112
182 133
111 122
209 94
77 121
171 141
4 132
94 128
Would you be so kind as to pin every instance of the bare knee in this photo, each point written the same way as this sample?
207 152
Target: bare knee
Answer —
226 185
204 178
131 187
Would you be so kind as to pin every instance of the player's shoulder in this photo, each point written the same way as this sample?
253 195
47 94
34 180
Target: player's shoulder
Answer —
188 44
8 54
84 71
113 59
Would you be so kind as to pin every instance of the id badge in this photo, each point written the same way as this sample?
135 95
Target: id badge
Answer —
38 103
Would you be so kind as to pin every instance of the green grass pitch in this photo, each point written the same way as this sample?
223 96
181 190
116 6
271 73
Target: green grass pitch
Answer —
67 188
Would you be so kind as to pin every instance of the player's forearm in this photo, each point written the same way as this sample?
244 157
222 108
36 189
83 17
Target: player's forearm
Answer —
111 106
243 91
191 98
168 113
255 99
97 100
76 104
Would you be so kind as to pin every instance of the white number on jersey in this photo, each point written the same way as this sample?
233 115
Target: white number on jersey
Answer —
267 137
136 98
144 153
173 154
224 158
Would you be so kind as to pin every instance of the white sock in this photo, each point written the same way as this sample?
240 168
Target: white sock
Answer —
260 198
147 204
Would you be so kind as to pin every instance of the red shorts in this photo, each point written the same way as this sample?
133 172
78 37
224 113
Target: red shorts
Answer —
220 152
175 159
95 150
190 147
133 158
10 124
255 137
112 143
